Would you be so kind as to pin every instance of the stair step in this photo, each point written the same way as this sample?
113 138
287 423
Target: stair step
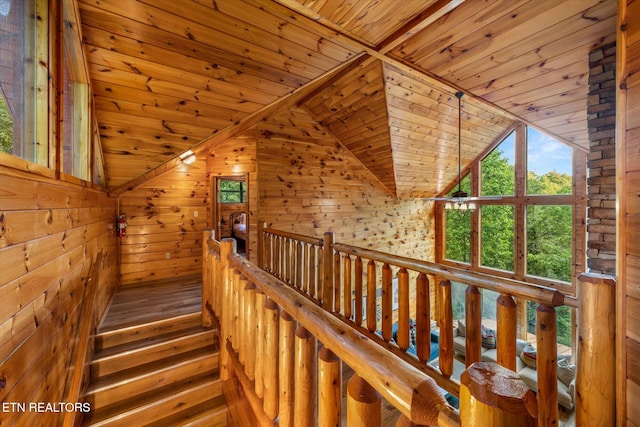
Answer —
132 382
202 393
128 355
111 338
211 413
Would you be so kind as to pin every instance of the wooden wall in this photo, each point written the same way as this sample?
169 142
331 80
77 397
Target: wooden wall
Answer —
50 232
165 220
309 183
628 191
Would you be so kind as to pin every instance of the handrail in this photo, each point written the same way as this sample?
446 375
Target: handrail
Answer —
414 394
532 292
294 236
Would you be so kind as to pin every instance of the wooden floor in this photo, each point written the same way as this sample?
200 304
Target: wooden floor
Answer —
152 301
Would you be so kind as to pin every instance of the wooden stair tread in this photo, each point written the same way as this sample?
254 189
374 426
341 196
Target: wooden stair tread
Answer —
160 403
125 384
128 355
211 413
111 337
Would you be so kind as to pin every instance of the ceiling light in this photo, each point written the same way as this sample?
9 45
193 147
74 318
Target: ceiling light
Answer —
188 157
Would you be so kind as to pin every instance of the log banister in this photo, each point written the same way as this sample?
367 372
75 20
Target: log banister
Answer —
408 389
536 293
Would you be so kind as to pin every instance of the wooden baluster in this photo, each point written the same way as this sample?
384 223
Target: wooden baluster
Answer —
595 376
242 320
299 265
235 337
364 404
337 270
304 268
387 302
208 267
372 318
507 325
473 316
261 300
346 290
329 389
495 396
278 256
423 319
305 379
403 310
250 331
327 262
291 265
286 367
270 400
446 329
546 362
227 246
358 291
261 244
313 272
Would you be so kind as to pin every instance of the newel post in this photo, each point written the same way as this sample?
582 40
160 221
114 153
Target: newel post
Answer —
596 367
208 271
491 395
327 267
227 246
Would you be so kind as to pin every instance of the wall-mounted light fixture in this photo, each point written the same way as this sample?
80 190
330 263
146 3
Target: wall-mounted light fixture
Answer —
188 157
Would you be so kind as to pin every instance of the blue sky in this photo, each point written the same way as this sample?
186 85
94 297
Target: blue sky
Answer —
544 153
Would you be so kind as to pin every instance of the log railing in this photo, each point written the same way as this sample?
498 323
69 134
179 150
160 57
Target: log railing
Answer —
351 274
270 333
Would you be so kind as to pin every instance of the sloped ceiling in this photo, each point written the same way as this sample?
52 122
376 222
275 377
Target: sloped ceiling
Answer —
379 75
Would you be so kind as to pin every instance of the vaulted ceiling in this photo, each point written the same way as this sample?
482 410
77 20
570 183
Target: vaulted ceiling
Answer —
379 75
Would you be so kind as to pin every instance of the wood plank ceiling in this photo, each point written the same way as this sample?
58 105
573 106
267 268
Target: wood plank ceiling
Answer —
379 75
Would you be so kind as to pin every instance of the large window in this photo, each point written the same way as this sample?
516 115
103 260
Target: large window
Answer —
232 192
528 224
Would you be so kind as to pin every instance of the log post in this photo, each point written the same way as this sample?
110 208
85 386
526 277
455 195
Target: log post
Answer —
286 374
596 367
473 316
208 268
403 310
336 282
446 329
270 400
491 395
305 379
242 320
387 302
423 318
250 331
358 291
227 246
327 276
506 342
329 389
372 315
261 300
364 404
346 289
547 364
235 321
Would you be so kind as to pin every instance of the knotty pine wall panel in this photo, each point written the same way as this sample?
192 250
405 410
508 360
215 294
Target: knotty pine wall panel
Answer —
166 217
50 234
309 183
628 192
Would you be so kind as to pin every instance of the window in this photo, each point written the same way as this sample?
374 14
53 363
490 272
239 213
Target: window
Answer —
549 241
498 169
497 236
458 230
23 81
232 192
549 164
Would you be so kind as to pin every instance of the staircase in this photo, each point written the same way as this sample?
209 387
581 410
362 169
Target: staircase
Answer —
157 373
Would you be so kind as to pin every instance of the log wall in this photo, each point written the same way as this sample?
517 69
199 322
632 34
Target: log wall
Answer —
309 183
628 213
50 232
165 219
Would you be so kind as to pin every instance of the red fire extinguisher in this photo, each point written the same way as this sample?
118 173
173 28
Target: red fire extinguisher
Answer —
121 226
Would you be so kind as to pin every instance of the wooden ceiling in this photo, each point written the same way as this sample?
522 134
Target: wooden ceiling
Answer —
378 75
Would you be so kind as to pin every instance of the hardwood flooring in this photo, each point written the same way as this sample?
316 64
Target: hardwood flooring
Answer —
153 301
